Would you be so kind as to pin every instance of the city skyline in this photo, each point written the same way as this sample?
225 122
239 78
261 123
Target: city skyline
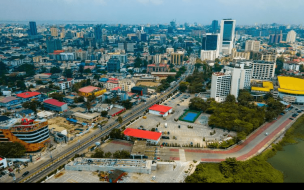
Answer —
152 11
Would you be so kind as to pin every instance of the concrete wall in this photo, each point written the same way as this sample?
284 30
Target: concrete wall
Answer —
93 168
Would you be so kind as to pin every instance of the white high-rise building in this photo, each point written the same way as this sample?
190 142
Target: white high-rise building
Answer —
227 36
241 76
208 55
252 45
220 86
291 37
262 70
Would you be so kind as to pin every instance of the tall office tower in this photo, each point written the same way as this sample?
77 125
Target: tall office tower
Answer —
98 33
252 45
62 32
262 70
275 38
33 28
54 31
52 45
211 42
220 86
291 36
214 26
227 36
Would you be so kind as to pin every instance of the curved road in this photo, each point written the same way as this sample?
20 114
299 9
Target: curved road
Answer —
253 145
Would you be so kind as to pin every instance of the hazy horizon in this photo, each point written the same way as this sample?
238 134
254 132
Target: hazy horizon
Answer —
245 12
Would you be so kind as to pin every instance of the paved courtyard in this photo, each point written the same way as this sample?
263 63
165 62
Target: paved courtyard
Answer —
75 177
184 135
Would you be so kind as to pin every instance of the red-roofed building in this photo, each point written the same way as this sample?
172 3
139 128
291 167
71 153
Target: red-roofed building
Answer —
27 96
116 88
151 137
160 110
112 83
55 105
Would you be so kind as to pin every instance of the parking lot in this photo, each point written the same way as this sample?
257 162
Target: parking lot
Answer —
183 135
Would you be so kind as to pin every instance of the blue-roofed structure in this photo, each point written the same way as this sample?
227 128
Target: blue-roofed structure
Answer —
72 120
103 79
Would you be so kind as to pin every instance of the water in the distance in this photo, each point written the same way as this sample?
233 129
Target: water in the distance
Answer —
290 162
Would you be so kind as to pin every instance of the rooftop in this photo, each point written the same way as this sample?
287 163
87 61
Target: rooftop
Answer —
28 94
54 102
142 134
160 108
291 85
88 89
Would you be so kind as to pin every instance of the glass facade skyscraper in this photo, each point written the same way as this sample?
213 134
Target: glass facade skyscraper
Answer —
210 42
33 28
228 30
53 45
98 32
214 26
227 36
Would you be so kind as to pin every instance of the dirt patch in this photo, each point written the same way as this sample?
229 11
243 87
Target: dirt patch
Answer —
59 175
149 84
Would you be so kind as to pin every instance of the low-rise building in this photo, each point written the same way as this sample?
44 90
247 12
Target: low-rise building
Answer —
151 137
87 118
27 96
55 105
9 101
90 90
160 110
3 163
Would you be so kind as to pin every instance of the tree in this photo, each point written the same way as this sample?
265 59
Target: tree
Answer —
81 69
29 69
127 104
87 71
116 134
183 86
88 105
217 67
230 98
55 70
21 85
12 150
57 96
279 63
98 154
33 105
104 113
91 98
79 99
120 119
123 154
68 73
3 69
137 62
108 155
39 82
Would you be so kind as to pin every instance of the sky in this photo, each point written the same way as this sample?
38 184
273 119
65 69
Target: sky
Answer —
245 12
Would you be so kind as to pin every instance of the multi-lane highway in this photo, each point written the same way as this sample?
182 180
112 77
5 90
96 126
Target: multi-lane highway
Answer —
49 165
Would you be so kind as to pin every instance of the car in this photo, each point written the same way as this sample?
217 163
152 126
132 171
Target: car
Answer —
297 109
12 174
291 118
266 134
178 104
25 173
2 173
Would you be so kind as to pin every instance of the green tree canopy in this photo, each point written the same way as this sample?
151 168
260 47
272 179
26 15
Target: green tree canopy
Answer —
12 150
